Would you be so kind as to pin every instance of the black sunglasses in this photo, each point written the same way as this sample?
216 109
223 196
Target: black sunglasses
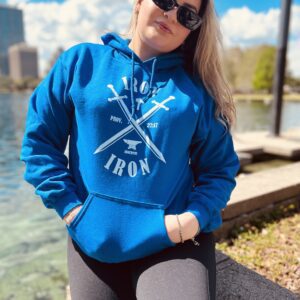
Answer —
185 16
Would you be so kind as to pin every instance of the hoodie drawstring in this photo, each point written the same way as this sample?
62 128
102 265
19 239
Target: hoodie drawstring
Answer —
152 76
131 86
133 106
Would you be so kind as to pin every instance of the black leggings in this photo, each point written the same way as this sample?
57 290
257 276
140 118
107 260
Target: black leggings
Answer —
185 271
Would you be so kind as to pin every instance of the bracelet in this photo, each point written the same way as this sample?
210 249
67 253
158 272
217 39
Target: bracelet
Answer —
193 238
180 232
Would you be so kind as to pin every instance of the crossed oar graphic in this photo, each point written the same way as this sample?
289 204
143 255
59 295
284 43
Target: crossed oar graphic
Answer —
135 123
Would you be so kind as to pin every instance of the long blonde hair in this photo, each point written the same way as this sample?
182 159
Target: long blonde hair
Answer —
202 51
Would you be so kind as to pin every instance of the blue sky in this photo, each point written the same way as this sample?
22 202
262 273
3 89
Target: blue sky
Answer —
257 6
223 5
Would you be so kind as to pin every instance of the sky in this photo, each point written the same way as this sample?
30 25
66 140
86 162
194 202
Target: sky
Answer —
51 24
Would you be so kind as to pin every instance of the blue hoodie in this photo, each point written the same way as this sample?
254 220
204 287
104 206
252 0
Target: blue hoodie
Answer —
144 143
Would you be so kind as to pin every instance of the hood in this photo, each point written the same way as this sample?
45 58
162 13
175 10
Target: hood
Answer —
164 61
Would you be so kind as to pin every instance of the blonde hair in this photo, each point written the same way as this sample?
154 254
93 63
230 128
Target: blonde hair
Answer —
202 50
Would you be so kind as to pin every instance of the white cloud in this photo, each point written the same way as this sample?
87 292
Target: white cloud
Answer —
244 27
50 25
295 21
294 57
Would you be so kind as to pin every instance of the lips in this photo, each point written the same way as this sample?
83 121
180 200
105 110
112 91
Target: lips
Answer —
165 26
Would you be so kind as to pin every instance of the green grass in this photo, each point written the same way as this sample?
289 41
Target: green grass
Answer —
269 245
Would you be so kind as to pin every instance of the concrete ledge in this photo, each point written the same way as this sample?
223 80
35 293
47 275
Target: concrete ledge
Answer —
242 145
258 190
228 225
286 145
259 193
234 281
245 158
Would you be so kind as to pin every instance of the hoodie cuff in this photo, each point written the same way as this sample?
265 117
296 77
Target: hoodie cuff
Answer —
200 212
66 204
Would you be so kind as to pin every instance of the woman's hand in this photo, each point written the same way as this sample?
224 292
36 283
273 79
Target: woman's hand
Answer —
189 226
72 214
172 228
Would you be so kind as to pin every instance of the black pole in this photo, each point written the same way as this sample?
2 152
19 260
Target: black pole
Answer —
279 75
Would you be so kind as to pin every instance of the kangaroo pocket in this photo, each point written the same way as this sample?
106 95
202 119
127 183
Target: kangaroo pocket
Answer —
114 230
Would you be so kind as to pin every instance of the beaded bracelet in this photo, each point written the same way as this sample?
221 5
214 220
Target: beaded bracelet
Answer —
180 233
193 239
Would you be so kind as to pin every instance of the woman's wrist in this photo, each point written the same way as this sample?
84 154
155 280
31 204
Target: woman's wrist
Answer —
68 218
189 226
172 228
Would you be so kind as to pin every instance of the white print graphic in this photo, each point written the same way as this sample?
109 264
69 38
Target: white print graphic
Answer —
137 128
131 143
134 125
152 125
143 89
132 166
115 119
139 102
161 105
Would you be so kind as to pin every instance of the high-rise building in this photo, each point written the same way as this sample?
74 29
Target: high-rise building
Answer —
23 61
11 32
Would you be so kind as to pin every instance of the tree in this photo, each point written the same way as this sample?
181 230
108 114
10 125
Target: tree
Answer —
264 69
231 60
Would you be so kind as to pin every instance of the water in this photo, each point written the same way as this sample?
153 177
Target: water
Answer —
253 116
33 247
33 238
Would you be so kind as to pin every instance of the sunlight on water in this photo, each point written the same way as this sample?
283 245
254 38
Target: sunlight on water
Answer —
33 246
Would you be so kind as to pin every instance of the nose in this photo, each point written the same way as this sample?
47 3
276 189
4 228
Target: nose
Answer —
172 14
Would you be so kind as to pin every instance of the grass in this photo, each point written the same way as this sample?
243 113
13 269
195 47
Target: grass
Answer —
270 246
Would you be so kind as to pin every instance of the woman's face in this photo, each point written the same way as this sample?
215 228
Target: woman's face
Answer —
149 37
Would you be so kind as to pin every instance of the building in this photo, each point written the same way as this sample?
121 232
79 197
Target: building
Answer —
11 32
53 58
23 61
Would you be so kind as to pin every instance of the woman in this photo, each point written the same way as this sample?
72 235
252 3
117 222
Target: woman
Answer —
151 157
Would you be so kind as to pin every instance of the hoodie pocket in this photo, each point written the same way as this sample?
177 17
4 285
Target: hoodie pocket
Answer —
114 230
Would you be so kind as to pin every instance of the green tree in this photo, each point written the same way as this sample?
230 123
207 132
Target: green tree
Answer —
264 70
291 80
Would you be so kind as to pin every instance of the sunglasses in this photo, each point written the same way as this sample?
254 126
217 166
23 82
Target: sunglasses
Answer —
185 16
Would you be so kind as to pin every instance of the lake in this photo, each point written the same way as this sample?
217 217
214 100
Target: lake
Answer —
33 261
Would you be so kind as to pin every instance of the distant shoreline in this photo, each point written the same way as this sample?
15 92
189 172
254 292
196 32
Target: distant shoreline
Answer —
264 97
236 97
16 91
